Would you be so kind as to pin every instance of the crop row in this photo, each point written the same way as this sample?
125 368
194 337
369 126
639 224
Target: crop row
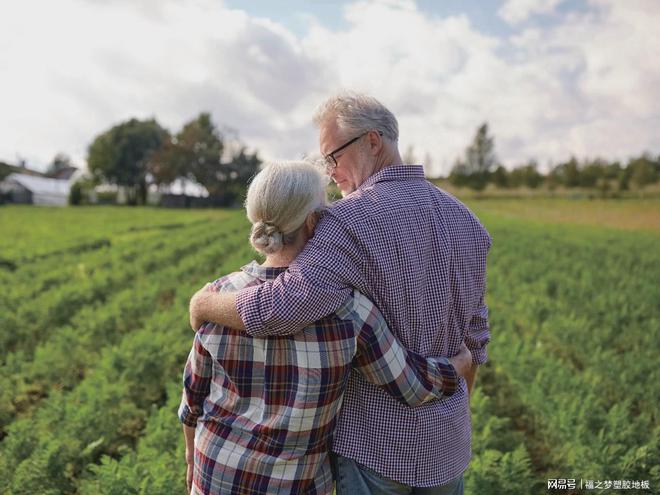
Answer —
23 383
49 272
156 464
575 320
106 411
38 232
561 397
30 318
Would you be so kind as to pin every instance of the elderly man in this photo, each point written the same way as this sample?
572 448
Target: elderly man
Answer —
420 255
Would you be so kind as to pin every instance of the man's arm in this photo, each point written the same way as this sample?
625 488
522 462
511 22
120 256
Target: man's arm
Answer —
477 339
218 307
471 376
316 284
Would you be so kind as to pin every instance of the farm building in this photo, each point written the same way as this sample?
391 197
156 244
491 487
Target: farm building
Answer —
28 189
183 193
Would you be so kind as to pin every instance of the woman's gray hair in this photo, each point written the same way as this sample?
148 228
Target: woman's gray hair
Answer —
279 200
357 113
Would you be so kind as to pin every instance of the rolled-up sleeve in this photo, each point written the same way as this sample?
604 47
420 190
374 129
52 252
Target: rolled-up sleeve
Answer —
316 284
197 377
478 331
478 335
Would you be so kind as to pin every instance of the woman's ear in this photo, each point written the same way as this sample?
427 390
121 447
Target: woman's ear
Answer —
311 221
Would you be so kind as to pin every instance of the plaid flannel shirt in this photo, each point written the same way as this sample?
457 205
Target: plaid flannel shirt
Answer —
420 255
265 408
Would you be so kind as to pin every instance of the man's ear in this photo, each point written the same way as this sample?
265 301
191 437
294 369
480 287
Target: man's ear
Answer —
375 142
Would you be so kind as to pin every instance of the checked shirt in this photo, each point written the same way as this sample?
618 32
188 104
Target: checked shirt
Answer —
420 255
265 408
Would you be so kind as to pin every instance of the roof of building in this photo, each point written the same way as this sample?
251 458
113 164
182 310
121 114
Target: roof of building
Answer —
41 185
7 169
65 173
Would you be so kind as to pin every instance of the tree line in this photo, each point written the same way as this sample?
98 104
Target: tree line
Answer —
479 167
136 154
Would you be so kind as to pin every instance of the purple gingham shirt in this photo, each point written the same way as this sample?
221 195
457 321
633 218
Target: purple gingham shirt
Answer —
420 255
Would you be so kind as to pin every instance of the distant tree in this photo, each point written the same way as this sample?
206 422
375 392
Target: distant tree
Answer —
480 159
480 155
567 173
592 172
527 175
612 170
642 171
199 152
61 162
121 155
76 194
241 166
164 167
500 177
82 191
459 175
624 179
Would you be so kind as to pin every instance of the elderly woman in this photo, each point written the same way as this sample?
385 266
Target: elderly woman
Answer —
259 413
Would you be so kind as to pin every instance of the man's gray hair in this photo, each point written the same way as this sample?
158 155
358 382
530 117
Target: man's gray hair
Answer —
357 113
279 200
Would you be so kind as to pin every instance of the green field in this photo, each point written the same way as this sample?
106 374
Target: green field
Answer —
94 335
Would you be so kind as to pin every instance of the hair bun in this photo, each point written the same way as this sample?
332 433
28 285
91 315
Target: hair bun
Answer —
266 237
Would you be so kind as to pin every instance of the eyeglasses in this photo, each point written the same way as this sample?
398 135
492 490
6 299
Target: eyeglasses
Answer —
331 161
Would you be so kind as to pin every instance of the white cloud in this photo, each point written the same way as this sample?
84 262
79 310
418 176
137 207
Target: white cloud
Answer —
80 67
517 11
586 84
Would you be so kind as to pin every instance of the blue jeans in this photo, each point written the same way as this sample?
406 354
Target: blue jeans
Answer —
354 479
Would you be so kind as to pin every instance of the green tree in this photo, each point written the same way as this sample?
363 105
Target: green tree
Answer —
642 171
527 175
480 155
164 166
567 174
459 175
60 162
480 159
199 152
121 155
592 172
500 177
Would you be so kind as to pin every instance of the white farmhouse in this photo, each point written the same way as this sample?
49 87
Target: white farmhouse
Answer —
29 189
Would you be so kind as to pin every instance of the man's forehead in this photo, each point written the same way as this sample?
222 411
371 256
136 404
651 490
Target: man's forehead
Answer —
327 133
330 132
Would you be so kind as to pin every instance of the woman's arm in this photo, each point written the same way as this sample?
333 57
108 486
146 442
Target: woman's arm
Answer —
409 377
189 438
197 377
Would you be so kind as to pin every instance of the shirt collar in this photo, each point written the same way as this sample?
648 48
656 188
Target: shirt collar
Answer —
395 172
263 272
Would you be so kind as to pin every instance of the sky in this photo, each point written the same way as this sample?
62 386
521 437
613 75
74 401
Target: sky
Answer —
553 78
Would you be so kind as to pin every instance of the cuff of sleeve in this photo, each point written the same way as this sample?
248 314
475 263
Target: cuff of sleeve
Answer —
248 307
479 356
186 416
449 376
